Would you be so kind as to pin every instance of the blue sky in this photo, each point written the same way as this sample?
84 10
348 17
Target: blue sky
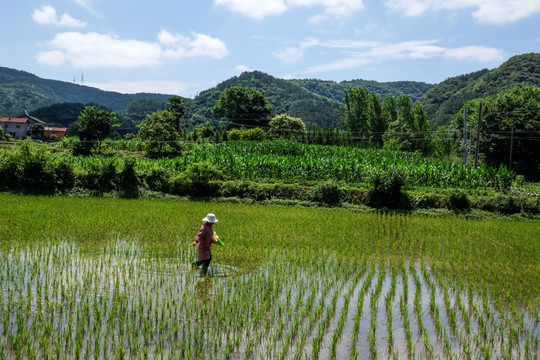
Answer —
187 46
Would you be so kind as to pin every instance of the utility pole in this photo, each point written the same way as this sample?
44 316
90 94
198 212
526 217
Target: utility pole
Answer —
465 136
478 137
511 149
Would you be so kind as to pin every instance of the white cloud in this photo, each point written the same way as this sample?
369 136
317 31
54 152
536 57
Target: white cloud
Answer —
292 54
86 4
477 53
47 15
178 46
360 53
52 58
254 8
242 68
91 50
487 11
257 9
332 7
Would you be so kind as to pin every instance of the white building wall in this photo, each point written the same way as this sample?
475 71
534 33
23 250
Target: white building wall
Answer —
16 130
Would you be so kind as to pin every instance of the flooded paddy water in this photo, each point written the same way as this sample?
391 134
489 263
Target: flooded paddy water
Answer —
61 299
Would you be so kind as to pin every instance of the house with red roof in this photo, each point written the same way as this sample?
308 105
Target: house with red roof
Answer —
21 126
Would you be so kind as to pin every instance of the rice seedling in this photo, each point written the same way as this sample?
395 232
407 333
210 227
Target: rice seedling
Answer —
109 278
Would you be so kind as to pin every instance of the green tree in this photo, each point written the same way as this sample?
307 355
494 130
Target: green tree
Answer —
176 106
441 143
422 137
404 133
137 110
389 109
93 126
378 122
159 130
63 114
356 113
37 131
515 110
243 106
287 126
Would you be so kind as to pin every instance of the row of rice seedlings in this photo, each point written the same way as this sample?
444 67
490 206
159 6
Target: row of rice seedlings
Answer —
359 310
138 299
328 315
153 306
338 329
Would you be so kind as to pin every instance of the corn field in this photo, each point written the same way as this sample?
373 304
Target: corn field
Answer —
111 278
293 161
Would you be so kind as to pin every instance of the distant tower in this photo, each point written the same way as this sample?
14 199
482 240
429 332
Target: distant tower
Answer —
74 79
82 78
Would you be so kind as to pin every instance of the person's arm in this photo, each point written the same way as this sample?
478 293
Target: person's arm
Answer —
197 238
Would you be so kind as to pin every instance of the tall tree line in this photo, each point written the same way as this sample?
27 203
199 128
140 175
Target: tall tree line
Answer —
394 123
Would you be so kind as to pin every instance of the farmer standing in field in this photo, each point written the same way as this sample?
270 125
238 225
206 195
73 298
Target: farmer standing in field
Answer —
205 238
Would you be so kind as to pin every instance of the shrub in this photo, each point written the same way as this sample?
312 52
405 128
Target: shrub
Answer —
257 134
284 191
8 170
458 201
520 180
65 178
158 180
198 179
34 169
179 184
507 204
234 134
128 180
81 147
386 190
243 189
37 174
101 176
326 192
243 134
429 201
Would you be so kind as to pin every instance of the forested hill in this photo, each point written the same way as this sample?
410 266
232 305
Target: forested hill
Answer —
316 102
443 100
335 90
284 96
20 91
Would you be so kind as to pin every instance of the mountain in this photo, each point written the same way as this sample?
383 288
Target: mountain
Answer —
335 90
316 102
284 96
20 91
443 100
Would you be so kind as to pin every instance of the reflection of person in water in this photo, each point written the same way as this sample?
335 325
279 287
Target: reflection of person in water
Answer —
205 238
203 288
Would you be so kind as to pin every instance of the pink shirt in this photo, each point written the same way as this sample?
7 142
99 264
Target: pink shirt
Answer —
204 239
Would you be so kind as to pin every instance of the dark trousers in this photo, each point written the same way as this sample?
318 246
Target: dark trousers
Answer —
204 263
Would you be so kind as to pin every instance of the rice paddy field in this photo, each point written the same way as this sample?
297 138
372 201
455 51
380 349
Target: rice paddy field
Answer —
97 278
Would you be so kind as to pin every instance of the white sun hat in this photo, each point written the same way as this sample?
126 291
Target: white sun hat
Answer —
211 218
